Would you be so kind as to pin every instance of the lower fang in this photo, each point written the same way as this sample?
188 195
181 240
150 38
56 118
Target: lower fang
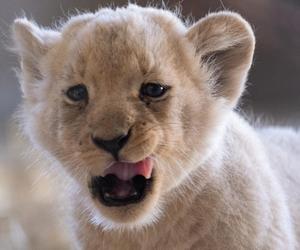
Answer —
106 195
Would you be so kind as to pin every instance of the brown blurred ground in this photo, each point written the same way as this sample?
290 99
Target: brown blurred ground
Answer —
31 216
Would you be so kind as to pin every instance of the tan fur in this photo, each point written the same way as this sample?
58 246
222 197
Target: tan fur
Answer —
213 188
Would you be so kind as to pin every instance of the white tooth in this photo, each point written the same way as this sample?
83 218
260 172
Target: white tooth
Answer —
107 195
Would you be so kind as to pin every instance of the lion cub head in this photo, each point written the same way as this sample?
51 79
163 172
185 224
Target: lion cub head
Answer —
130 101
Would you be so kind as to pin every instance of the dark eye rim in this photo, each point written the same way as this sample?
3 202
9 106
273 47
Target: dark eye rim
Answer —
68 93
165 87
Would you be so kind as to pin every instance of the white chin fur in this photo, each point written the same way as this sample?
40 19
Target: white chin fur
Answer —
97 219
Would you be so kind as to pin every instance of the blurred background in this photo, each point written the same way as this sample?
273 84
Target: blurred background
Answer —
30 217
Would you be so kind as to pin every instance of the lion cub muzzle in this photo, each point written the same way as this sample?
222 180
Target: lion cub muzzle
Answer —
123 183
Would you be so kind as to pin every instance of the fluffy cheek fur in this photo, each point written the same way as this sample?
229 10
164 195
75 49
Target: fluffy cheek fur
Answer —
190 143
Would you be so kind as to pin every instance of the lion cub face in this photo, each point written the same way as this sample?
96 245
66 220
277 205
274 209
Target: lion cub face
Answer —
130 101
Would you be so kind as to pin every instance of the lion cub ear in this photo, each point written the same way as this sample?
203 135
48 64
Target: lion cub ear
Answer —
225 42
31 43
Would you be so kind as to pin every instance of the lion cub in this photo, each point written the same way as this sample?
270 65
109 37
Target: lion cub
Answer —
137 109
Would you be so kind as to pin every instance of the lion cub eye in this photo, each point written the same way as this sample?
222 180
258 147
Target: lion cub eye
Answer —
77 93
153 90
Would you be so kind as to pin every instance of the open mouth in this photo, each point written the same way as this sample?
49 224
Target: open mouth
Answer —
123 183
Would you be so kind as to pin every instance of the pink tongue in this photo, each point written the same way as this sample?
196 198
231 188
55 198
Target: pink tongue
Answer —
125 171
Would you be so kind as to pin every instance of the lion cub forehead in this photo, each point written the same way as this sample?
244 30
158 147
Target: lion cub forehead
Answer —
131 15
123 39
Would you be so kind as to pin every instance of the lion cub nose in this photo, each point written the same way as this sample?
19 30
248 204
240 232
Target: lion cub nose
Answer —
114 145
